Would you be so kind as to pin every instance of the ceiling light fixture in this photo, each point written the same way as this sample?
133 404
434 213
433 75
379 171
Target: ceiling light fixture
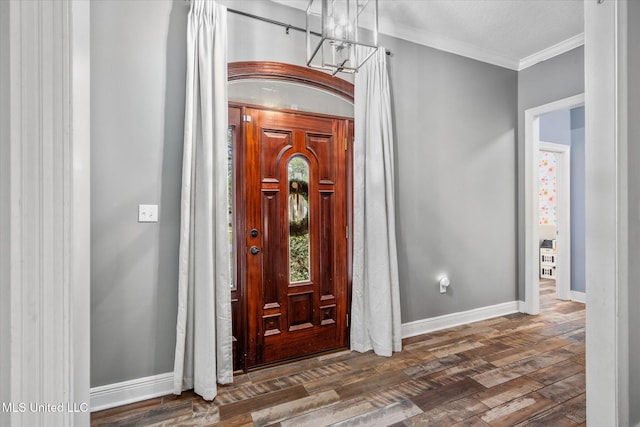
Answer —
336 39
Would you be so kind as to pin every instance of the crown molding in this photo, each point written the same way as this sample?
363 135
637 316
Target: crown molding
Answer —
475 52
435 41
552 51
468 50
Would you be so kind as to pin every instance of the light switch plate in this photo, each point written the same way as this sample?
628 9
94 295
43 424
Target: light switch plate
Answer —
147 213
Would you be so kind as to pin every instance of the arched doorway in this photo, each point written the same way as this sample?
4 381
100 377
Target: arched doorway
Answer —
290 133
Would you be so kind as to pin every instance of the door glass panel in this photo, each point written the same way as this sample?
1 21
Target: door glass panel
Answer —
298 172
230 203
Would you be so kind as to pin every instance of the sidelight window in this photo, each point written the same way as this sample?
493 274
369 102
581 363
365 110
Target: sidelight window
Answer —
230 203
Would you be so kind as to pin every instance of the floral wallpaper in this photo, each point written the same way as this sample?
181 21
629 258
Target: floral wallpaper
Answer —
548 187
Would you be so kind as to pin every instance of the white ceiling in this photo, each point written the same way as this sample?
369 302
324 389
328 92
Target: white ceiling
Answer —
511 33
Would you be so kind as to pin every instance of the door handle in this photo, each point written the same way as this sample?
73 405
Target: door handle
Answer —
254 250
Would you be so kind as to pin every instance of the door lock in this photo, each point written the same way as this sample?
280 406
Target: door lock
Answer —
254 232
254 250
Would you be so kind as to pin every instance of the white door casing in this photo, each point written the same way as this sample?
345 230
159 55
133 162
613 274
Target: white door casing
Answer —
531 236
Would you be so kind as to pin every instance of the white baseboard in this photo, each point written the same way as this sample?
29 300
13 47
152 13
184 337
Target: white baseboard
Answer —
579 297
424 326
112 395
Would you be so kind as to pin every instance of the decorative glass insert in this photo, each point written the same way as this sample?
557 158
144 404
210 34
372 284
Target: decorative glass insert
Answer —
230 203
299 245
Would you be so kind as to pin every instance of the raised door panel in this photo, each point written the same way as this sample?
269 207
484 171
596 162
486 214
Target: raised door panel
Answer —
327 253
272 232
273 145
322 146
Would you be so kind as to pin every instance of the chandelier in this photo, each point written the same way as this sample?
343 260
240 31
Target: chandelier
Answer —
336 38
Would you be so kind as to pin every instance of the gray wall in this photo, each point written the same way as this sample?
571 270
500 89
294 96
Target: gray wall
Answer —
566 127
138 67
438 161
137 114
455 124
557 78
253 40
634 217
455 183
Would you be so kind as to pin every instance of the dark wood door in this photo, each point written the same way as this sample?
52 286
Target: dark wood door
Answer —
295 173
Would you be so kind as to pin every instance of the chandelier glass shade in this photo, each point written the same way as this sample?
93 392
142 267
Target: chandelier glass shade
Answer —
337 39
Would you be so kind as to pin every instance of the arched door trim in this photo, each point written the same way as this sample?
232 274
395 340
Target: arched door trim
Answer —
290 73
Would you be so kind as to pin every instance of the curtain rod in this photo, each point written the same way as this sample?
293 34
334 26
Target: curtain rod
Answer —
274 22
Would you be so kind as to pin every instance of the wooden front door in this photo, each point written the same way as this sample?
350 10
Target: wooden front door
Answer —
296 178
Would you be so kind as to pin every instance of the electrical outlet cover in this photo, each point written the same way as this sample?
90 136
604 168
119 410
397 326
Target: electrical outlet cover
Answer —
147 213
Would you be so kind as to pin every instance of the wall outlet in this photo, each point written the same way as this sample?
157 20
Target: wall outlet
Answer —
147 213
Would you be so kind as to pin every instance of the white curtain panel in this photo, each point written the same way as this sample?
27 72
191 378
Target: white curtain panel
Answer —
375 310
203 340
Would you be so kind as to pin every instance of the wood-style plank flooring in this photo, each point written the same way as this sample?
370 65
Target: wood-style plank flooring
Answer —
512 370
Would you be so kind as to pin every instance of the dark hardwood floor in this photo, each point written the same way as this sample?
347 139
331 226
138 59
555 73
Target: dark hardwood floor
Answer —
507 371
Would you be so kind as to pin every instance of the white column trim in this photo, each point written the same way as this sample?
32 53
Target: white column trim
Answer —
80 210
5 213
48 242
606 257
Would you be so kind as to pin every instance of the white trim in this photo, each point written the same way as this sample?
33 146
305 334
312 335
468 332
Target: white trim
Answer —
48 198
552 51
521 306
469 50
123 393
607 224
79 182
126 392
563 225
419 327
456 47
5 211
531 236
578 296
